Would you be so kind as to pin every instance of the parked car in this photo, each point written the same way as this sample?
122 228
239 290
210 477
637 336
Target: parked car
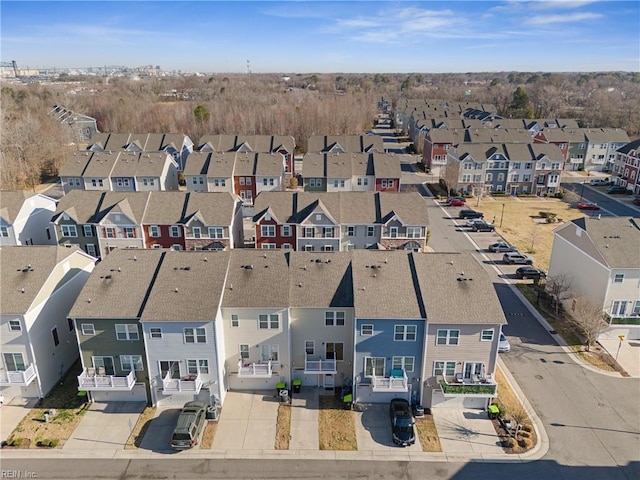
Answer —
456 202
401 422
189 425
530 272
467 213
517 257
483 227
618 189
503 344
472 221
502 247
588 206
600 181
636 201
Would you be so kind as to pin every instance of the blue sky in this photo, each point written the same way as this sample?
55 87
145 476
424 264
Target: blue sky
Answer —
328 36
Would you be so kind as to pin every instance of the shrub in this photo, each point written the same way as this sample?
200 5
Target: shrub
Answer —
559 195
48 442
508 443
527 428
544 214
15 442
524 434
525 443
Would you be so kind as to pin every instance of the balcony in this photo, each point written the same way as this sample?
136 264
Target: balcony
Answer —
19 377
397 382
320 366
89 380
188 384
255 370
469 387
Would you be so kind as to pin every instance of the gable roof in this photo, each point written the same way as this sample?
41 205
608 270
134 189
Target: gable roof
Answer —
462 293
25 269
635 145
11 202
177 292
258 143
75 164
119 286
164 208
320 280
101 164
214 208
349 143
80 205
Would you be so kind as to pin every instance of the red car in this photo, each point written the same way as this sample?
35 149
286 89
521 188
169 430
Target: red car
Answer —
456 202
588 206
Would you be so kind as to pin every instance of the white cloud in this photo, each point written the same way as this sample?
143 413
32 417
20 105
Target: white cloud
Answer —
570 18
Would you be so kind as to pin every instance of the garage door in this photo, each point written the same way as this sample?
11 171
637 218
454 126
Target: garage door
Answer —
438 400
137 394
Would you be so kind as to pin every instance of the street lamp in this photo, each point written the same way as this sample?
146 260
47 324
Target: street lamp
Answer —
501 215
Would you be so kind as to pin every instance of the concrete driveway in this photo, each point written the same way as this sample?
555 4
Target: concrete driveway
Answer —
105 426
247 421
466 431
373 429
12 413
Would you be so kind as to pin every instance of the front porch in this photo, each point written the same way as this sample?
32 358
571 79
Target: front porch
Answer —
22 378
396 382
255 370
186 384
90 381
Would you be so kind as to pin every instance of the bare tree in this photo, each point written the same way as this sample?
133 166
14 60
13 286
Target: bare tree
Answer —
559 287
450 174
588 317
533 236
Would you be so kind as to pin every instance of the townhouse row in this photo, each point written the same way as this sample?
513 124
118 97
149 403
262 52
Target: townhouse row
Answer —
166 326
99 222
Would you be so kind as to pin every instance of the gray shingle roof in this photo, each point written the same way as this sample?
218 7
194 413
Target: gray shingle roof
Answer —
616 238
349 143
164 208
386 165
75 163
126 164
214 208
11 202
152 164
384 285
269 164
119 285
313 165
258 143
101 164
188 287
245 164
320 280
80 205
25 269
257 279
131 204
457 290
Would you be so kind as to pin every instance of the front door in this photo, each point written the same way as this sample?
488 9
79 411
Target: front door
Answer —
169 366
104 365
328 381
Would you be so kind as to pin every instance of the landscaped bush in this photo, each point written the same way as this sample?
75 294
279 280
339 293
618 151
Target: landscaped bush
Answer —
48 443
498 194
525 443
559 195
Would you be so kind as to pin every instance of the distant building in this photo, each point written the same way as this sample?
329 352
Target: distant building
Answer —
83 126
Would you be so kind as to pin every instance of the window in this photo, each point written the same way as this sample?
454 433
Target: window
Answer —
332 319
516 165
14 362
489 177
351 231
248 180
309 232
155 333
444 368
619 308
197 232
104 364
312 182
334 351
268 230
265 182
241 180
286 246
88 329
69 231
194 367
618 278
129 232
393 232
327 232
14 326
371 230
309 347
514 177
636 309
131 362
154 231
235 322
110 232
127 331
366 330
268 321
244 351
54 334
308 248
373 366
326 248
404 363
501 177
219 182
486 335
195 335
285 230
216 232
268 246
4 232
269 353
174 231
414 232
447 337
404 333
87 231
176 246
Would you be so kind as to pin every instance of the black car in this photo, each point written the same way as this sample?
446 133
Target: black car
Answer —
467 213
530 272
618 189
483 227
401 422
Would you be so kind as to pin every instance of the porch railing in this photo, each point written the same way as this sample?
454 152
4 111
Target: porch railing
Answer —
256 370
485 387
91 381
320 366
189 384
18 377
395 383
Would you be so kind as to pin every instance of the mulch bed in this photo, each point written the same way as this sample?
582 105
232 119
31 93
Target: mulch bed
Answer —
526 440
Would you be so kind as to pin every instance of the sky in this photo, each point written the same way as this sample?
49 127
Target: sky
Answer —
325 37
